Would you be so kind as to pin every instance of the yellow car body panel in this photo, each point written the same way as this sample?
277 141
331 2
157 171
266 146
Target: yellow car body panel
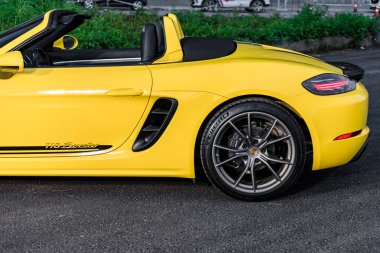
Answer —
171 156
327 119
109 105
10 66
177 26
173 52
36 103
317 111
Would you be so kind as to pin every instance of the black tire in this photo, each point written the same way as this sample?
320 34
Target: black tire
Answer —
256 6
221 126
209 5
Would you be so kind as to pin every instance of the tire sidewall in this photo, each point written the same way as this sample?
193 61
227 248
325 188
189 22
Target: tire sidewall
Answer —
258 1
206 6
223 116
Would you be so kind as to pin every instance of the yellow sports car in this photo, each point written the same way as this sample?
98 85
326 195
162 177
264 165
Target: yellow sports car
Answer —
253 116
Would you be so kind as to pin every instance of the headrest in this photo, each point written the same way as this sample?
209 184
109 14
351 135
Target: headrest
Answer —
148 43
160 36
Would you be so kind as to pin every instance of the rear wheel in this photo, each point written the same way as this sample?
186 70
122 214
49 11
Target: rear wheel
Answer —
88 4
209 5
137 5
253 149
256 6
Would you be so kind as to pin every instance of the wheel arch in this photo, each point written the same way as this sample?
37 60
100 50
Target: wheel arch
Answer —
251 2
289 108
203 2
256 0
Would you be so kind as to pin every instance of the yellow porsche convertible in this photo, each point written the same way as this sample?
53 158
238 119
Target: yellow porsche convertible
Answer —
253 116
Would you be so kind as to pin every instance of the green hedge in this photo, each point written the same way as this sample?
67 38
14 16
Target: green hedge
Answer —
107 29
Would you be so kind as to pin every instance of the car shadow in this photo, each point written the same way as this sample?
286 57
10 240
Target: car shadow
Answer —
310 179
311 183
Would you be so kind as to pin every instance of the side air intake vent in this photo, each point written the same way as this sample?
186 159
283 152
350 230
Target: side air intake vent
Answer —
156 123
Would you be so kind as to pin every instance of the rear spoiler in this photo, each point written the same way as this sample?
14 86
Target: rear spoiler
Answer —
351 70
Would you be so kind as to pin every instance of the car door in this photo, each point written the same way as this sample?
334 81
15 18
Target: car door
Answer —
118 3
109 3
71 111
230 3
245 3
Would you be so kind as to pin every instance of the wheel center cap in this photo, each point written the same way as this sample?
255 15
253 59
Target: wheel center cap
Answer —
255 151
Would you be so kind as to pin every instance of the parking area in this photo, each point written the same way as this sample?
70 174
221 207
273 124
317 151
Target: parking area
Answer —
335 210
285 8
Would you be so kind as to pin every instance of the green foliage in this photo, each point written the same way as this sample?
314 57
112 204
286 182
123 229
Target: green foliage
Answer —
308 24
14 12
112 30
108 29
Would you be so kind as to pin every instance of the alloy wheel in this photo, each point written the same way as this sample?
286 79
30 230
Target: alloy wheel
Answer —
137 5
89 4
253 152
257 6
210 5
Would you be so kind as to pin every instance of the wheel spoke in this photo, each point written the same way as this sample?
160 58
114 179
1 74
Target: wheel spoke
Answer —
243 173
271 169
276 160
238 131
270 130
230 159
227 148
253 174
275 141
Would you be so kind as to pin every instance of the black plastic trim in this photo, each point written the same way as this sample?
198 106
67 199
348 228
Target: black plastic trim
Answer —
360 152
351 70
10 35
51 26
199 49
156 123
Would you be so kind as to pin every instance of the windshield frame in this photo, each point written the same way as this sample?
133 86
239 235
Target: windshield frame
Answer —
15 32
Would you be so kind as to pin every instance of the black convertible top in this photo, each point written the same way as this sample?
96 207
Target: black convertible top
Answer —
197 49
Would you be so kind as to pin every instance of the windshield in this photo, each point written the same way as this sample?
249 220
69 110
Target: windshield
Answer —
15 32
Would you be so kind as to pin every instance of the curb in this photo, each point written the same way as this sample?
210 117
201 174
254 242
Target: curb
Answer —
326 44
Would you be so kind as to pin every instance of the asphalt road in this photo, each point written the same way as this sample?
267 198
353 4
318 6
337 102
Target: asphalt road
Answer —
331 211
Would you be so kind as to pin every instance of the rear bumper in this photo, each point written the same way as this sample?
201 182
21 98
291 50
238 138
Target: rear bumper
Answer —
361 151
328 117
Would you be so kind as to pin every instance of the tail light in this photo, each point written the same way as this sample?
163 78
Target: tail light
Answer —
329 84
